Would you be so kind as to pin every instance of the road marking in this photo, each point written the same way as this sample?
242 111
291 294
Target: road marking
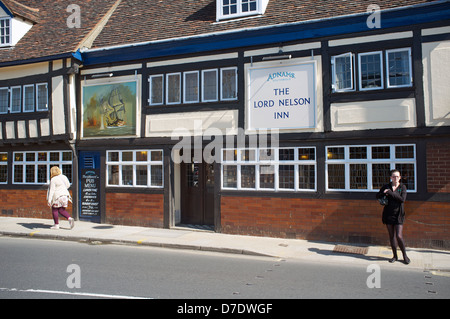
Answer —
83 294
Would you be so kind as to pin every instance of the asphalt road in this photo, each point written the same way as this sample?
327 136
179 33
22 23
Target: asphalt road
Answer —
34 268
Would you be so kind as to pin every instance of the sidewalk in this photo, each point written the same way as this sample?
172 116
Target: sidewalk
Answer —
183 238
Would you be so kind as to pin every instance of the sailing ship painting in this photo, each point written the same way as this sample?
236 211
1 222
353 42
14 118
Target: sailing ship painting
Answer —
109 110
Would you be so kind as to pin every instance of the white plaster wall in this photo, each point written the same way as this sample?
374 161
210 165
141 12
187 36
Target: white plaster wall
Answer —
436 67
366 115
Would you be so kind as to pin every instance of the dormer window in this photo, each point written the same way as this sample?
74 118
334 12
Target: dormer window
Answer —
228 9
5 31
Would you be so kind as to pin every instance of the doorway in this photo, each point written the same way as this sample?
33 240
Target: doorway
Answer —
197 194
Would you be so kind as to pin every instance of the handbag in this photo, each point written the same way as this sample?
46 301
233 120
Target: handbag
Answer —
383 200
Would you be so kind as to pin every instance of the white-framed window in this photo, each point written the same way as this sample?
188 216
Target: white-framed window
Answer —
370 71
191 87
34 167
28 98
4 100
399 68
156 83
42 97
209 85
367 167
229 85
227 9
5 31
269 169
135 168
343 72
16 99
3 168
212 82
173 92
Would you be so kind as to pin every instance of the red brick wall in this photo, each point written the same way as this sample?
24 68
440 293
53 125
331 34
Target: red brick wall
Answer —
331 220
135 209
438 167
25 203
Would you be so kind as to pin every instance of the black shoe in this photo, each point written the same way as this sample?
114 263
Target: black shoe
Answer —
407 260
393 259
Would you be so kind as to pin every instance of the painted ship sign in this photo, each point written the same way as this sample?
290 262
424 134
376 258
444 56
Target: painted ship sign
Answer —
281 97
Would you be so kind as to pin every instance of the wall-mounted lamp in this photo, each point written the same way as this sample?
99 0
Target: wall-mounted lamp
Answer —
279 56
102 75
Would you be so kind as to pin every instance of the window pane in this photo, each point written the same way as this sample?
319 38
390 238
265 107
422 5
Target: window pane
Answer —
307 177
358 152
141 175
113 174
399 68
42 103
404 151
380 175
358 176
4 100
54 156
267 176
248 155
266 155
248 176
381 152
286 176
229 155
127 156
371 71
67 156
306 154
157 175
16 99
18 157
141 156
209 85
335 153
343 72
42 156
407 173
113 156
3 173
18 174
30 157
42 174
156 89
286 154
29 98
127 175
67 170
336 176
30 174
191 87
156 156
230 176
229 84
173 88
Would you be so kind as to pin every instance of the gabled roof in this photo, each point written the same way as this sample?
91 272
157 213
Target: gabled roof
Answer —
50 35
149 20
129 41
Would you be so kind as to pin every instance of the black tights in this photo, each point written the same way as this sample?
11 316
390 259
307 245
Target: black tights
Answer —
396 236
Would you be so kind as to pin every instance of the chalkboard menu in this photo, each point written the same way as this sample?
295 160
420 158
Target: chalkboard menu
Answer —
90 193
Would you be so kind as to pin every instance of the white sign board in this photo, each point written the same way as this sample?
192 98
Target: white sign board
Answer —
282 97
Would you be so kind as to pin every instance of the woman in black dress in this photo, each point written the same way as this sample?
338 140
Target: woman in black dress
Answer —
394 213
